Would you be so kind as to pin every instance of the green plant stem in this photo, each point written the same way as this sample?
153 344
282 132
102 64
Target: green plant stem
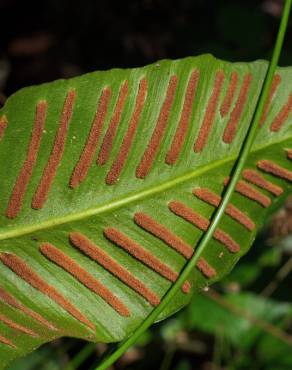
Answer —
122 347
81 356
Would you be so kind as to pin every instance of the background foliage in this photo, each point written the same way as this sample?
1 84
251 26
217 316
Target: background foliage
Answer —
243 322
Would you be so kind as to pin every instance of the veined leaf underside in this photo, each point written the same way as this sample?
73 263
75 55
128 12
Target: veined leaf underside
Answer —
109 181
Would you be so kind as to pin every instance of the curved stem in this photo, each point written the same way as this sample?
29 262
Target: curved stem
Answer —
244 152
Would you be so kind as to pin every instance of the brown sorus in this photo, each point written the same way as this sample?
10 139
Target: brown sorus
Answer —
255 178
182 128
158 133
69 265
3 126
282 116
188 214
18 192
7 342
232 125
15 326
226 105
206 269
172 240
123 153
104 259
19 266
10 300
210 113
274 169
214 199
250 192
110 134
143 255
81 169
50 170
275 83
163 233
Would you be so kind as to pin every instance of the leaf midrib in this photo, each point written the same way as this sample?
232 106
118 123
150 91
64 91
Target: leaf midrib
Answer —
114 204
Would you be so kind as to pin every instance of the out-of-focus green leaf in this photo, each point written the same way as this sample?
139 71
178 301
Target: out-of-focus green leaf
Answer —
207 315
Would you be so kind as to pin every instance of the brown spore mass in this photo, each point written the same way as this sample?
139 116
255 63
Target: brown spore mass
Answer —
143 256
149 224
158 133
122 156
282 116
97 254
232 125
10 300
15 326
214 199
274 169
50 171
225 107
69 265
81 169
7 342
206 269
18 192
250 192
181 131
188 214
110 134
275 83
3 126
210 113
255 178
19 266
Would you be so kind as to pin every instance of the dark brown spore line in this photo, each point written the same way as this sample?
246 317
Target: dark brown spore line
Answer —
250 192
105 260
275 83
81 169
214 199
3 126
163 233
69 265
123 153
202 223
274 169
282 116
158 133
6 341
289 153
18 192
182 128
226 105
232 124
141 254
51 168
19 266
210 113
257 179
206 269
110 134
11 301
16 326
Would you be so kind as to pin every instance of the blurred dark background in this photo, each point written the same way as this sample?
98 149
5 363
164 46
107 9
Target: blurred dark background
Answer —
245 321
44 40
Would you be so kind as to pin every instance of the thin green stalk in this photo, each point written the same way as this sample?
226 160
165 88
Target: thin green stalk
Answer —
81 356
122 347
